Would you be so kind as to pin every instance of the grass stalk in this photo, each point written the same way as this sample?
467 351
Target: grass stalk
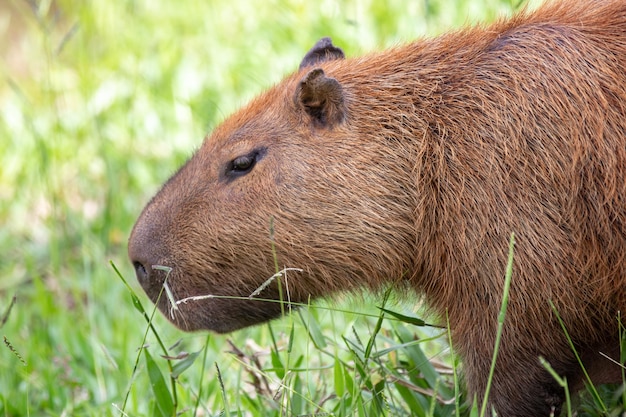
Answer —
592 389
562 381
501 317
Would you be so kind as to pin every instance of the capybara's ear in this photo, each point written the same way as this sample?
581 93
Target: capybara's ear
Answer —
321 97
323 50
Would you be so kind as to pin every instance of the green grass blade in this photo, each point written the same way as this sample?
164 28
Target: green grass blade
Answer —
501 317
404 318
561 381
182 364
592 389
162 396
313 328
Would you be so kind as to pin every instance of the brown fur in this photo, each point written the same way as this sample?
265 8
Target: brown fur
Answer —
416 164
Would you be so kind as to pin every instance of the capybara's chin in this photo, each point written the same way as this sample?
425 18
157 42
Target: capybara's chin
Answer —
221 315
416 164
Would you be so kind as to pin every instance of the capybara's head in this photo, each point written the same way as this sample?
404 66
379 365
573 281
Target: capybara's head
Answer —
279 184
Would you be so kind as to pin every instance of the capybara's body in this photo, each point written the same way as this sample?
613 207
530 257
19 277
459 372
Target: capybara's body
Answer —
413 167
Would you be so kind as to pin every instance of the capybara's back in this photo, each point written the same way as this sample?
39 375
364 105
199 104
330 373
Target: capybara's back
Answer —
413 166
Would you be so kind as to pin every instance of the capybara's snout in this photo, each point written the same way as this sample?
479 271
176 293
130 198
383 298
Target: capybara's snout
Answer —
143 253
142 262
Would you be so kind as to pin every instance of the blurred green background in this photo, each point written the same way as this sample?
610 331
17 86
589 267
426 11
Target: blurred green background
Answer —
100 102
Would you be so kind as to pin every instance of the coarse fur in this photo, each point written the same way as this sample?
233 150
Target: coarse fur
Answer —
413 166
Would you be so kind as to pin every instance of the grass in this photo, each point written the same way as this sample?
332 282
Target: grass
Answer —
102 101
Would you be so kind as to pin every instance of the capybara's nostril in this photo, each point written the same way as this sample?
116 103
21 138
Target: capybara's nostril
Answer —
144 251
142 272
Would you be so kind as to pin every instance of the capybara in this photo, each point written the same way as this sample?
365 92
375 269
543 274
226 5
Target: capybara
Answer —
412 167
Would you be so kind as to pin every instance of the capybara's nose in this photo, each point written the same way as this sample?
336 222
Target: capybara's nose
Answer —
144 254
143 271
143 260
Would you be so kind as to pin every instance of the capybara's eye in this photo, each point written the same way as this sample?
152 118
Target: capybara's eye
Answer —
244 163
